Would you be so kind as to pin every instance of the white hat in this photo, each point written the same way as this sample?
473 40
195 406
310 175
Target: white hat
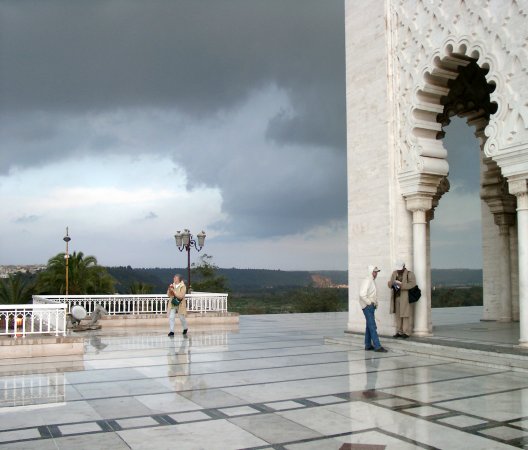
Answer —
399 265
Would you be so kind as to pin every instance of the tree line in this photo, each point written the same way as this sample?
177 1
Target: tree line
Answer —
87 277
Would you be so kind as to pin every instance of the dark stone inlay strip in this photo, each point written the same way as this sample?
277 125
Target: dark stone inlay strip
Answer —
54 431
164 419
260 407
114 425
213 413
44 431
105 425
306 402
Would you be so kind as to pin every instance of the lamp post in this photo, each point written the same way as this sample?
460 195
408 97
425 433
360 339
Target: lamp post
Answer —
66 256
185 240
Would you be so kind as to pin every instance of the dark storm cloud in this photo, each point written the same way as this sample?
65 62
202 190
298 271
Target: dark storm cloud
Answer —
61 61
201 56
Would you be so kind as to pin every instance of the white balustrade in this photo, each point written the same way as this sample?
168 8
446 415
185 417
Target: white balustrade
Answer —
43 318
201 302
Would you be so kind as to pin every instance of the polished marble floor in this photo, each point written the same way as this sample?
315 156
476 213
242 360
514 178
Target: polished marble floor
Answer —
271 383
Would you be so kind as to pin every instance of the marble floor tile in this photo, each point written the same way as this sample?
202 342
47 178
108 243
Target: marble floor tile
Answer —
111 408
274 428
438 436
120 388
521 423
280 406
371 440
505 406
506 433
137 422
88 441
189 416
462 421
191 436
79 428
425 411
214 398
238 411
323 420
167 403
454 389
367 415
394 402
31 433
37 415
327 399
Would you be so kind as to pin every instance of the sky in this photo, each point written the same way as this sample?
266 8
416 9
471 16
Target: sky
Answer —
128 120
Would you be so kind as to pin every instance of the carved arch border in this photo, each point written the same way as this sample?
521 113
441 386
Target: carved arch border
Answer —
427 150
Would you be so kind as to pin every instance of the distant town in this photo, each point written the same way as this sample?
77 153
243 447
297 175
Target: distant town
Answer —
5 271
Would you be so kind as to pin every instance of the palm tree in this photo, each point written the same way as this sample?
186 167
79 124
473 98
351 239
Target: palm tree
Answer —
15 290
85 276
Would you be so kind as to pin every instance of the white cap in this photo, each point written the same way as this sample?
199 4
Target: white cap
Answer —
399 265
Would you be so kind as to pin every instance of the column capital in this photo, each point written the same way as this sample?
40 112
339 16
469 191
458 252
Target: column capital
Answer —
419 202
518 186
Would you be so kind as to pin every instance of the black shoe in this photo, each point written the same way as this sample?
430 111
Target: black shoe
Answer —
171 334
381 350
369 348
397 336
404 336
184 332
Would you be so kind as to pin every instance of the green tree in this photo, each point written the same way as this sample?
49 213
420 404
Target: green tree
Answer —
316 300
138 287
205 277
85 276
15 290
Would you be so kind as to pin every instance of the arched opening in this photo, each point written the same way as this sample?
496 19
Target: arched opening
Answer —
466 97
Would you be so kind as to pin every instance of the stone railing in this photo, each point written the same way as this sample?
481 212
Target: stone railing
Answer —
201 302
22 320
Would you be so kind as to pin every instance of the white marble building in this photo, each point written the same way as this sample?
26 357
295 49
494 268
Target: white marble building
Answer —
411 65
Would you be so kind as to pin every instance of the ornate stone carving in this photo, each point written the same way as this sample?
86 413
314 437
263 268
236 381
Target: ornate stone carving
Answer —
431 40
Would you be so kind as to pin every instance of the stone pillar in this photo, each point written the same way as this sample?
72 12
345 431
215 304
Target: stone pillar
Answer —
419 205
519 188
503 262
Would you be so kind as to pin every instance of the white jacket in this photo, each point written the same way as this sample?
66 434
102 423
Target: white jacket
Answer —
367 291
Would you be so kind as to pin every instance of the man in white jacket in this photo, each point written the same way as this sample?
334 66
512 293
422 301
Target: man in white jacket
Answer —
368 299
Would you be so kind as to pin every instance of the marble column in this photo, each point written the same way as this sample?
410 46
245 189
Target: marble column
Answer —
503 262
419 205
519 188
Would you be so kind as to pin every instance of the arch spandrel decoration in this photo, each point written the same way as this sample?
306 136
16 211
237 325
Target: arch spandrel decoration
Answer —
430 40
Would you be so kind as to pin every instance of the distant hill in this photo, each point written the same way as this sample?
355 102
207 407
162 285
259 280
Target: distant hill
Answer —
456 277
247 279
238 279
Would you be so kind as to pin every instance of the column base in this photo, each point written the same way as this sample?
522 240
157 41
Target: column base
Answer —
522 344
425 333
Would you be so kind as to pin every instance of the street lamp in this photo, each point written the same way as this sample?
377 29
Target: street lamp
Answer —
185 240
66 256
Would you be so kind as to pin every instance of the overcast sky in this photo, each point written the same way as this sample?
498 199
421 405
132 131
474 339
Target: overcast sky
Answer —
130 120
